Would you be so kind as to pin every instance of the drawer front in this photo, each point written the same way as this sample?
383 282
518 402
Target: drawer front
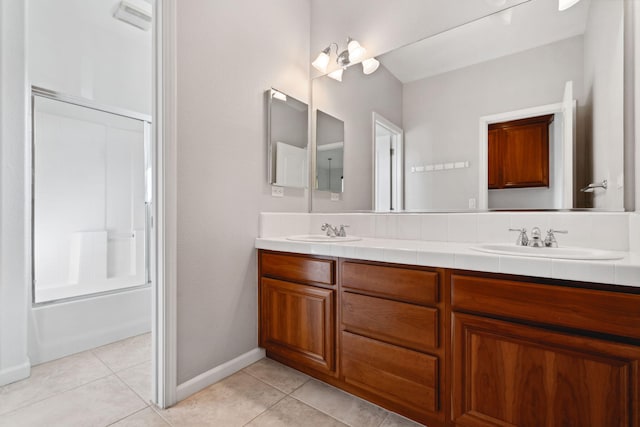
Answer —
418 286
298 322
407 325
586 309
298 268
404 377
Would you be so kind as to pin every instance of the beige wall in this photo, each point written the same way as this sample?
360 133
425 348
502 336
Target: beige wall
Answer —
229 53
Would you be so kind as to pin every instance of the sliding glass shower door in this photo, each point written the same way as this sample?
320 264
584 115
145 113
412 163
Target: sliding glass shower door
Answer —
90 198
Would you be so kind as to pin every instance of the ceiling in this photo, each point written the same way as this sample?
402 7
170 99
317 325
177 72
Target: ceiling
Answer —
522 27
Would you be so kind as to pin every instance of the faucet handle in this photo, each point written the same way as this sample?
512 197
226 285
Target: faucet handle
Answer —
522 239
342 232
550 241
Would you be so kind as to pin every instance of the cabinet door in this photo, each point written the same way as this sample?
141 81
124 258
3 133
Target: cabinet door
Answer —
298 322
513 375
525 156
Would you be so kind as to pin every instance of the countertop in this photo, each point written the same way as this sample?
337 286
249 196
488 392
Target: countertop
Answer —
625 271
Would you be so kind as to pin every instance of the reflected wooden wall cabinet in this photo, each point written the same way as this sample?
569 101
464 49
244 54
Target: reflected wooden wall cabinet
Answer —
518 153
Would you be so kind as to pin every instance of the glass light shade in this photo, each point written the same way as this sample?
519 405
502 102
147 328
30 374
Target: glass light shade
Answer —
356 52
321 62
370 65
566 4
336 75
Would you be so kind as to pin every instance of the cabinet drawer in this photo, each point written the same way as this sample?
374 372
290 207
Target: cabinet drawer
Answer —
418 286
586 309
298 268
404 377
407 325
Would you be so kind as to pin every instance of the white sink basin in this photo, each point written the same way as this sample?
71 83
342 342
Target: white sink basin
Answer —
560 253
322 238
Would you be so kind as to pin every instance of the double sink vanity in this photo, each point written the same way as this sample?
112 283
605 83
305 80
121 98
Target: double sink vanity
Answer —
440 316
450 333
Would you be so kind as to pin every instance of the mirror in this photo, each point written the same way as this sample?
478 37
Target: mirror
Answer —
329 153
287 140
444 92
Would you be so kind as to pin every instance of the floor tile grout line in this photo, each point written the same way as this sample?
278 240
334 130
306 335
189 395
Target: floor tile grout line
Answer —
102 361
387 412
320 410
157 411
271 385
133 366
267 409
55 394
146 400
127 416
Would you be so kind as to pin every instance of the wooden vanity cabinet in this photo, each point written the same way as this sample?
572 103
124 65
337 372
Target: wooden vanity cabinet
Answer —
535 354
391 337
297 303
449 347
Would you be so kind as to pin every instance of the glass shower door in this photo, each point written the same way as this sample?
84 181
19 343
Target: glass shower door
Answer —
90 226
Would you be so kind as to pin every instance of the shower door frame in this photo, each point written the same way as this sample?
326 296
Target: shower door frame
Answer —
149 252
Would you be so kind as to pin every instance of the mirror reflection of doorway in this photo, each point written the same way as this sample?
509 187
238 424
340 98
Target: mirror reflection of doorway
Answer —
388 165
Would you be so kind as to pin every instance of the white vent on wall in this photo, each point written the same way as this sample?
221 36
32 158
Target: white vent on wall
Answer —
135 12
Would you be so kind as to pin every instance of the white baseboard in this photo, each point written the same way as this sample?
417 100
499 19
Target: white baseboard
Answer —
214 375
15 373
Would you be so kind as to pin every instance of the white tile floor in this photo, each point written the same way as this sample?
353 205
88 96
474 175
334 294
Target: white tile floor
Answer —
110 386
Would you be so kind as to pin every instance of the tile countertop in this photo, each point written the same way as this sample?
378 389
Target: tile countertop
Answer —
625 271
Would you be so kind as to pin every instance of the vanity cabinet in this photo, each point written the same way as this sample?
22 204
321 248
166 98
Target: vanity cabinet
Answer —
297 302
533 354
450 347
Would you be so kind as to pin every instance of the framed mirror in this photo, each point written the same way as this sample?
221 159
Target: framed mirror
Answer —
444 93
287 139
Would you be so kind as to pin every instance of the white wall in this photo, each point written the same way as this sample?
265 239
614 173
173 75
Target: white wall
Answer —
353 101
76 47
382 25
604 92
441 115
14 363
229 53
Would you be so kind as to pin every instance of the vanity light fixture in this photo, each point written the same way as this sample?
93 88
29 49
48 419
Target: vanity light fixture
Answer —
566 4
370 65
337 74
352 54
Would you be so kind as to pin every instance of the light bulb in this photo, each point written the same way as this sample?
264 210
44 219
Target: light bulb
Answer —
566 4
336 75
356 52
370 65
322 61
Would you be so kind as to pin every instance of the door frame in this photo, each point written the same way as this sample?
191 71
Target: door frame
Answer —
398 189
164 307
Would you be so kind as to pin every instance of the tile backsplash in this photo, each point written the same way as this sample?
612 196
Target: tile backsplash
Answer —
602 230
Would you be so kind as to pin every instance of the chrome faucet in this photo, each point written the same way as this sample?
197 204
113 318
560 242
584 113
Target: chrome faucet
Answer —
522 239
550 241
333 231
536 241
